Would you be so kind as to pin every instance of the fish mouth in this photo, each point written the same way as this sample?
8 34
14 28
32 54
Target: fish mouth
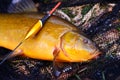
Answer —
95 54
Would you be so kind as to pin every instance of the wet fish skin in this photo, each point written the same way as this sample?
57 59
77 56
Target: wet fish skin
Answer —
57 34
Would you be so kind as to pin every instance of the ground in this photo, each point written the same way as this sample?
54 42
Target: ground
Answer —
107 67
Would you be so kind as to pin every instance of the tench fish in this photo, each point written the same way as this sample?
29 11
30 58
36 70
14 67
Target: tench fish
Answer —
56 37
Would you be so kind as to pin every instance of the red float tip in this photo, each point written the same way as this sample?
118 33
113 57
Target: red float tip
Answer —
57 5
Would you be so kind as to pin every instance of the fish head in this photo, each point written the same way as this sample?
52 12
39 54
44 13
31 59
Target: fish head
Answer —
78 48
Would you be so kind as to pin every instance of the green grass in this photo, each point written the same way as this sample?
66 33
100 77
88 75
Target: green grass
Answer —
86 9
118 28
77 76
68 12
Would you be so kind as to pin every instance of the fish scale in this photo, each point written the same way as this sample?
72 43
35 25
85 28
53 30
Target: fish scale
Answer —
42 47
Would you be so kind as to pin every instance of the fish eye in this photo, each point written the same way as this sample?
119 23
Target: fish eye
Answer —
85 41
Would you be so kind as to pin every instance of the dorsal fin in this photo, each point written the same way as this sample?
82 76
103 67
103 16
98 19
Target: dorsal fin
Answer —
18 6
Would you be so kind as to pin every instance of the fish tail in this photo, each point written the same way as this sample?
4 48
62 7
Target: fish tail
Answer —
17 6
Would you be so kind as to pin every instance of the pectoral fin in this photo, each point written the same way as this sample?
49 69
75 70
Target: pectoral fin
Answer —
59 68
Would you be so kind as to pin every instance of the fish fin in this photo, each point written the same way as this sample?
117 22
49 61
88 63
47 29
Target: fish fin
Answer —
59 68
14 54
18 6
56 65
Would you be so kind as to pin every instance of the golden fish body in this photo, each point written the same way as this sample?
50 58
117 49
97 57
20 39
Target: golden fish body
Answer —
56 38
